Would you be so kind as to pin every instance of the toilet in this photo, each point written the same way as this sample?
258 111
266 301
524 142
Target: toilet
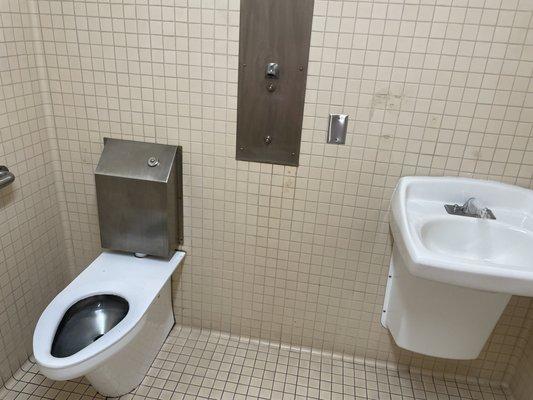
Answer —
110 322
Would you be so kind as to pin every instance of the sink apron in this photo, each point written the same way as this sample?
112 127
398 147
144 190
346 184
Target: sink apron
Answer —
438 319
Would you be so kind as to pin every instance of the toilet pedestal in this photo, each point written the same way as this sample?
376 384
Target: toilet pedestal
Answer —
438 319
125 371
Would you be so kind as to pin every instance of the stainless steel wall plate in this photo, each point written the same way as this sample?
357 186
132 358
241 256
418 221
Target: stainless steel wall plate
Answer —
338 124
274 41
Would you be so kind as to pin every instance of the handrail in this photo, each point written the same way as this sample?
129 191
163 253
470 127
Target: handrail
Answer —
6 177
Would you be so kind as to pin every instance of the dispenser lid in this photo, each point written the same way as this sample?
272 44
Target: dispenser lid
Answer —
136 160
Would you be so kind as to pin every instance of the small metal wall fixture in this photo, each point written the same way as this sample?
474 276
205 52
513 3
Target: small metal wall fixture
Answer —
6 177
273 57
337 127
272 71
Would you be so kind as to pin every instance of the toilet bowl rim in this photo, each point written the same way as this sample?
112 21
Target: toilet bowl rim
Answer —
48 323
67 372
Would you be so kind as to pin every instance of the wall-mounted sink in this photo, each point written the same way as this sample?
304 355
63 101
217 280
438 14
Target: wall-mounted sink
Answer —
452 275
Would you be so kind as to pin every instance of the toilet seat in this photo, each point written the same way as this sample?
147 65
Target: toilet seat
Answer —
138 280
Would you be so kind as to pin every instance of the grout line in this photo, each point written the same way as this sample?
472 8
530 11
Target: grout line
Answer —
244 356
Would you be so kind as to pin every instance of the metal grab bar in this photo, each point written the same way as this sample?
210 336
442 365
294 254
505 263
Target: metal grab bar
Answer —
6 177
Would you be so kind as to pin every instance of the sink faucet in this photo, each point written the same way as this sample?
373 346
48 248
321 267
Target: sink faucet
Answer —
474 208
471 208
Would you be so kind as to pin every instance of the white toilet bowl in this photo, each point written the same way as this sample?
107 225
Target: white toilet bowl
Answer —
109 323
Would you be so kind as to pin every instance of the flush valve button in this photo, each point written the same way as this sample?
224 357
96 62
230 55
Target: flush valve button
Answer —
153 162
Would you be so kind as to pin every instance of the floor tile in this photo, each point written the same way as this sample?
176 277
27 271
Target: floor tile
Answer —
202 364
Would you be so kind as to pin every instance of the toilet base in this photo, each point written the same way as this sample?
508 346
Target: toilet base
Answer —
125 370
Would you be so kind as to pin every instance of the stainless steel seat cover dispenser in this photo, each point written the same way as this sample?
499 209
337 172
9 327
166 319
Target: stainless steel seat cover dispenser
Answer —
139 195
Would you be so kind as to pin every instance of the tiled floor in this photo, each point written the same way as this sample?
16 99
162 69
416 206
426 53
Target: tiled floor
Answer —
195 364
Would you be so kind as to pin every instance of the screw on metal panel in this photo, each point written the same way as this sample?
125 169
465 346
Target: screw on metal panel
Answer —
293 153
153 162
300 68
244 65
241 148
268 139
271 87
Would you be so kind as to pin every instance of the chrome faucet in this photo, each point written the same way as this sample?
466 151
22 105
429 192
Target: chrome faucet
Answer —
471 208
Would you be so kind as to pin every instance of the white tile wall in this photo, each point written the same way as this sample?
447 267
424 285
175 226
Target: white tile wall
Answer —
297 255
32 262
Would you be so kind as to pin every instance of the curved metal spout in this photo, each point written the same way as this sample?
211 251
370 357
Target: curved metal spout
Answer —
472 208
6 177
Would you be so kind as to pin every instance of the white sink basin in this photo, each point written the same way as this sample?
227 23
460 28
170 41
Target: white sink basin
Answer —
451 276
494 255
483 242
